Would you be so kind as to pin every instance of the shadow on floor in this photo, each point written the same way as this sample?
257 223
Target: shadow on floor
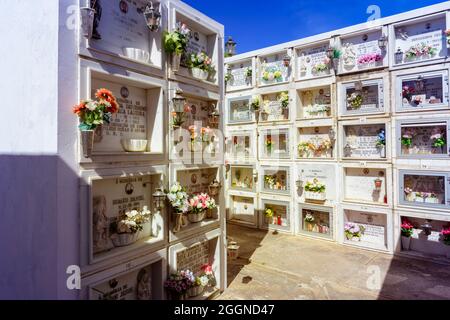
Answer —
286 267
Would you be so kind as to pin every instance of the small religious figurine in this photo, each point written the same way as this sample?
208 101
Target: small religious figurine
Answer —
303 68
349 55
95 4
100 221
143 285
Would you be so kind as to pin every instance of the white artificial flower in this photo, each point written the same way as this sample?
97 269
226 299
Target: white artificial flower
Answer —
91 105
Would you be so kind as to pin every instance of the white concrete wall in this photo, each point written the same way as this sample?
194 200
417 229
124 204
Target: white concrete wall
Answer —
39 195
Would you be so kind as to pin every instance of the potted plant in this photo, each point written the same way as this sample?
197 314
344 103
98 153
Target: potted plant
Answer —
381 143
315 191
92 114
353 231
179 201
200 65
179 283
175 44
446 240
407 232
309 222
126 231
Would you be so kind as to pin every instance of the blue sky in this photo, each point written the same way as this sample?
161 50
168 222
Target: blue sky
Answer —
256 24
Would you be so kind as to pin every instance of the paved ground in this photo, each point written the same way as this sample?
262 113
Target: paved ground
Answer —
282 267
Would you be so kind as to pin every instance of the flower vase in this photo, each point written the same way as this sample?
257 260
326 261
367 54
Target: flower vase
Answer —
382 150
196 146
195 291
406 243
87 142
124 239
196 217
176 61
87 22
200 74
309 226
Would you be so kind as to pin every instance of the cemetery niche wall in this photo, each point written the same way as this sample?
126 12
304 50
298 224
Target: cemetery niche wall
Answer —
367 108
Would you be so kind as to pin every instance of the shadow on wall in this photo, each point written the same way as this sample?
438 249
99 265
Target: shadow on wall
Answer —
38 225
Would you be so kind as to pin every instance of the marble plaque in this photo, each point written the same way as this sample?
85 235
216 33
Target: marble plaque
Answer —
363 140
135 285
122 25
311 57
129 123
359 185
271 65
430 33
243 209
239 75
197 181
240 110
325 174
356 48
111 199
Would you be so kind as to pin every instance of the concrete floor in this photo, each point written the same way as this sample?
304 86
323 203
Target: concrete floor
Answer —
284 267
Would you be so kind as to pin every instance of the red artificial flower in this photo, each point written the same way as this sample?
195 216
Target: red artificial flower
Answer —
79 108
407 225
105 94
114 108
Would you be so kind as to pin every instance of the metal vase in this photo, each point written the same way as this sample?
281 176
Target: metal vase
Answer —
176 61
87 142
406 243
87 22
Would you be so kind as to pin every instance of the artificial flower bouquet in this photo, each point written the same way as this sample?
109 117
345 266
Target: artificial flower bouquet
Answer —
270 181
407 93
269 212
381 139
272 74
446 236
309 218
315 190
176 42
94 113
201 61
407 138
269 144
283 99
321 66
438 139
255 103
407 229
355 100
420 50
201 202
178 198
134 221
179 283
370 58
353 231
